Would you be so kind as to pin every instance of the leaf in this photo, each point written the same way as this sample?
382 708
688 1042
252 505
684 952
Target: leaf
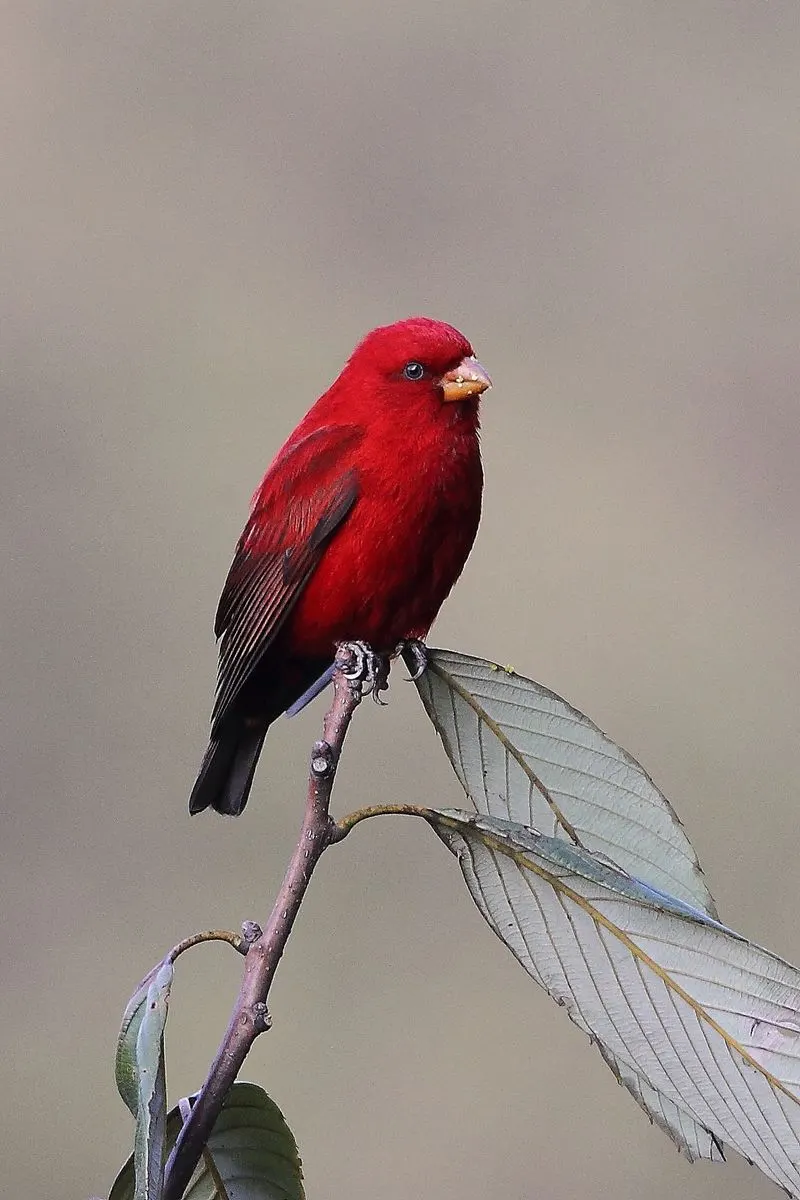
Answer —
148 1067
693 1139
523 754
251 1147
126 1070
694 1016
125 1066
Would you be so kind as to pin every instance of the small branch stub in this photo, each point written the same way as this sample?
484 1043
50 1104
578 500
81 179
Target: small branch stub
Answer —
261 1018
251 932
323 762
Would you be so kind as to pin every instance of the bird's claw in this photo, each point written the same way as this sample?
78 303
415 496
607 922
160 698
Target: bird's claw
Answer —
355 661
380 682
362 667
415 656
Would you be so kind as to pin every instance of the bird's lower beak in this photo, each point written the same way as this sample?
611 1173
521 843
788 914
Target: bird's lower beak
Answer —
469 378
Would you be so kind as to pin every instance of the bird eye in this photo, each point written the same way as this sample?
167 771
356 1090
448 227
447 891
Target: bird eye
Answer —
413 370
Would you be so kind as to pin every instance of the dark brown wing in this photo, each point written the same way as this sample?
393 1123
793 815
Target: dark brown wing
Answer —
277 554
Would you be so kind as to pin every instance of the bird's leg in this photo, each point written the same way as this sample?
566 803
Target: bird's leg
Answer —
310 693
415 656
366 668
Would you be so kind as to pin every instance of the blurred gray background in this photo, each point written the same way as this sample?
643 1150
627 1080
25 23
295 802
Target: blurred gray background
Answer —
204 207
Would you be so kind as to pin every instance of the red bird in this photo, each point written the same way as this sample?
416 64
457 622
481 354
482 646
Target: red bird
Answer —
358 531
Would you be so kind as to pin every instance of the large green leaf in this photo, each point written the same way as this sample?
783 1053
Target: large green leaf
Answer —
251 1153
701 1025
524 754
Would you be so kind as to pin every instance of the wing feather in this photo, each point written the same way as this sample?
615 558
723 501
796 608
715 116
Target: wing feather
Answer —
276 556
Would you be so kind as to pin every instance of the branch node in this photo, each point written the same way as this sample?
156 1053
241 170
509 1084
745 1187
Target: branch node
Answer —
251 932
335 832
323 760
262 1021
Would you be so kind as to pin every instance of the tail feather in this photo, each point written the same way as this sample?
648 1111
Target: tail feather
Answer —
227 770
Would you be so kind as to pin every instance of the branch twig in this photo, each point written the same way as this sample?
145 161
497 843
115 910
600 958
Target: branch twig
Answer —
341 829
250 1016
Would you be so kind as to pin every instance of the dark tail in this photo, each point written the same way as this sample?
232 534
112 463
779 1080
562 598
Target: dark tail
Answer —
227 770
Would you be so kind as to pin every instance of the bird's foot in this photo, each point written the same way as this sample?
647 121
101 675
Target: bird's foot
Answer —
415 656
363 668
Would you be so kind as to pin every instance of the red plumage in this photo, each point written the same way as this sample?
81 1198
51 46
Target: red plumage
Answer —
358 531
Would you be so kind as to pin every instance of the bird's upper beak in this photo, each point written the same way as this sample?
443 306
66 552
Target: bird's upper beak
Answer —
469 378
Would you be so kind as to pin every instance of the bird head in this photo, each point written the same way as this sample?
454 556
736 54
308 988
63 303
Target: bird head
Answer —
419 360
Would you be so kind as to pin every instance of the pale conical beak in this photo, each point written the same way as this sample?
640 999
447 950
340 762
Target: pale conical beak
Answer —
469 378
